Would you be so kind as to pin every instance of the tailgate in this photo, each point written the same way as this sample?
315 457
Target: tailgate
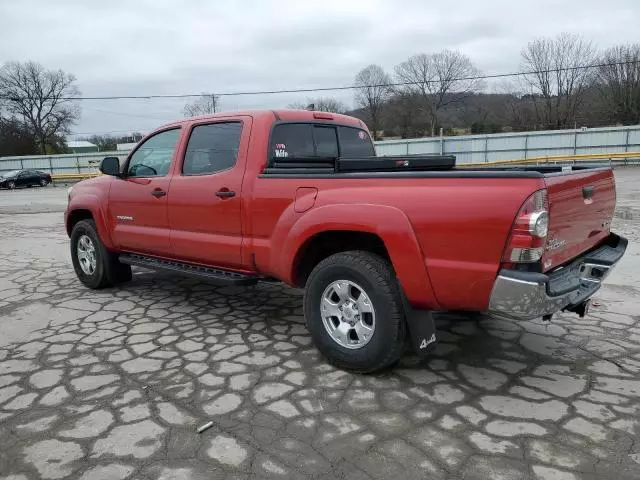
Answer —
581 206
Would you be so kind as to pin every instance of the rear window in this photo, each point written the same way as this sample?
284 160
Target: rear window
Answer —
326 141
292 140
355 142
308 140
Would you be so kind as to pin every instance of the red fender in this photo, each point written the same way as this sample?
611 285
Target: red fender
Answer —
91 202
389 223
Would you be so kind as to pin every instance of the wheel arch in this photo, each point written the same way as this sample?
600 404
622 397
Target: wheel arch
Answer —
329 242
379 229
76 216
86 208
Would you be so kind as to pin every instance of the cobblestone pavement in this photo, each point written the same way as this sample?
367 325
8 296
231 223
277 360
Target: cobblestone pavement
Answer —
114 384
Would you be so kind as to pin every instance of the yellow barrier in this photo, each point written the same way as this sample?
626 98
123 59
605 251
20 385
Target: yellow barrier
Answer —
73 176
523 161
558 158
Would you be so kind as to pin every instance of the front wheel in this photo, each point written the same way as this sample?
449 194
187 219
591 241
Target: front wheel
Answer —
354 311
43 182
11 185
94 265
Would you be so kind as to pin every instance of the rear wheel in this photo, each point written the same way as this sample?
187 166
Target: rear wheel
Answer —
11 185
354 311
94 265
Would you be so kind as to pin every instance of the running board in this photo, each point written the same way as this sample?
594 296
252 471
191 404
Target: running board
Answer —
206 273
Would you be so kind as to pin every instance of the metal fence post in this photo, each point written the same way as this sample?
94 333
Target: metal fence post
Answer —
21 164
486 148
526 146
51 165
78 164
626 141
441 142
575 142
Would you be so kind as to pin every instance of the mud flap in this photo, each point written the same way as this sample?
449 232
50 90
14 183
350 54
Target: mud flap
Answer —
422 329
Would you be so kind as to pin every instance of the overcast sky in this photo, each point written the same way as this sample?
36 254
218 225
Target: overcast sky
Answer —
143 47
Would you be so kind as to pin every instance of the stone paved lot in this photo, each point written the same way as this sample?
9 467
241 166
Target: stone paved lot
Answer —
114 384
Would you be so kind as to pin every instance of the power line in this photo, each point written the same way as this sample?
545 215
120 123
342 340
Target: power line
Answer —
126 114
106 132
344 87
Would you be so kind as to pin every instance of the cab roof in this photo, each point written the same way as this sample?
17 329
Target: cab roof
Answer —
275 115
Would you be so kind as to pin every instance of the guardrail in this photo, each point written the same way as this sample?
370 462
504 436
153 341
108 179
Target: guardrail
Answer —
71 177
618 158
614 159
487 148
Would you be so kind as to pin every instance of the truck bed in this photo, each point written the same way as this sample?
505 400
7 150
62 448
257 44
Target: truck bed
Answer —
412 166
580 198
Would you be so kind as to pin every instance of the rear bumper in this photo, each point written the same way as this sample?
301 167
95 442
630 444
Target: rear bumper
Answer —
528 295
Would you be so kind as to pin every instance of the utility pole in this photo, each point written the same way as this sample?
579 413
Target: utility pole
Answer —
214 103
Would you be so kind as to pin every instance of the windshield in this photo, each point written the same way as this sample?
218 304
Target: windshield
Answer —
12 173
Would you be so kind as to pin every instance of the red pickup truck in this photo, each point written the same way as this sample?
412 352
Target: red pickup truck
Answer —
377 243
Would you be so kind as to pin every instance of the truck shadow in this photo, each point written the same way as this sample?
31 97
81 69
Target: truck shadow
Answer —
475 340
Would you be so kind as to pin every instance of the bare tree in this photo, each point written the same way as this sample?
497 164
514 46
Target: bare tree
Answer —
519 110
559 80
372 91
207 104
105 143
321 104
439 79
404 117
41 99
618 78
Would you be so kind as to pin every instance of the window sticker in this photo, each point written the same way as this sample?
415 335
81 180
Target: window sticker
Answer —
281 150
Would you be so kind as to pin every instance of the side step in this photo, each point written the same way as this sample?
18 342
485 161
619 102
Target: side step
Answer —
206 273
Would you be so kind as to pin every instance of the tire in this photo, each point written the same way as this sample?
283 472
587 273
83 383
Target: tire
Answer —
107 270
44 182
11 185
374 275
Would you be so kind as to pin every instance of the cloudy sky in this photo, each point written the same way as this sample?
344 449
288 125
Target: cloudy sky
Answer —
146 47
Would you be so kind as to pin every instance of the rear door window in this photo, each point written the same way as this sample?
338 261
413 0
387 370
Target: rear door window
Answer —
212 148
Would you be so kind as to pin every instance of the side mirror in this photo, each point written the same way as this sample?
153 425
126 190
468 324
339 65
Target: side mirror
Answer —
110 166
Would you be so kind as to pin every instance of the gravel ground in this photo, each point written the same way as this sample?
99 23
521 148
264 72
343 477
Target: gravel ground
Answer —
114 384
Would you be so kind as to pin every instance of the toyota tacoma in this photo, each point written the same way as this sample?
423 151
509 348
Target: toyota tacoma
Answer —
377 243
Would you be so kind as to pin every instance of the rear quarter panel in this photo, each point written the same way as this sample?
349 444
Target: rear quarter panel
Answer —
460 226
463 226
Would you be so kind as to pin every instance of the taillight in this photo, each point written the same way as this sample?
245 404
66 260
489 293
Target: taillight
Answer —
529 231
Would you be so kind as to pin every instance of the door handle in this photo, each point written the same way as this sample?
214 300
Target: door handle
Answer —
225 193
158 193
587 192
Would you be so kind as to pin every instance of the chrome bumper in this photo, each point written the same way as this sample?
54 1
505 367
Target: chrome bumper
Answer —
527 295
